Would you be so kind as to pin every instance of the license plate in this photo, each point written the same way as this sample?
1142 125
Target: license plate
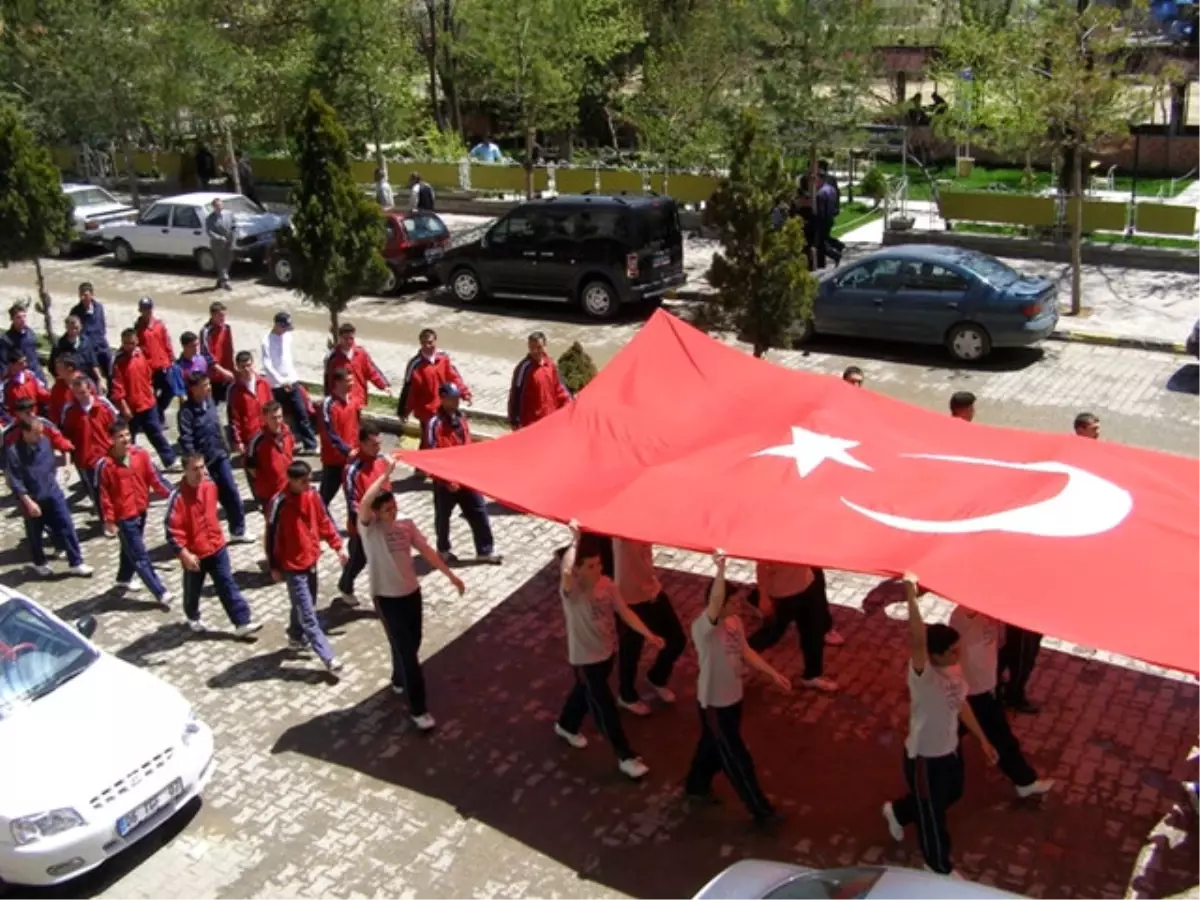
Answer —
433 253
140 814
661 259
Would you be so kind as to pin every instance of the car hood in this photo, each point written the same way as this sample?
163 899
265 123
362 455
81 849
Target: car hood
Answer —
66 747
910 883
96 210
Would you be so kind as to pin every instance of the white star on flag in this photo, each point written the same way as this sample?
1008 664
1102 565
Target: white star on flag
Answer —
809 449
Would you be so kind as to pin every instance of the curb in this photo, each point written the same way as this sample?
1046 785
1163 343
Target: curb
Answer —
1128 342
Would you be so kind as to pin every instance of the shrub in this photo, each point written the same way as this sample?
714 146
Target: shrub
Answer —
873 185
576 368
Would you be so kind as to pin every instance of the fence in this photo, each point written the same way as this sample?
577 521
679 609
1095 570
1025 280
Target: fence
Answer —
1048 212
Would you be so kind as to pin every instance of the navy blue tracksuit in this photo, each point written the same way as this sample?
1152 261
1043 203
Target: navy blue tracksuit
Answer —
95 329
200 432
84 353
25 341
31 472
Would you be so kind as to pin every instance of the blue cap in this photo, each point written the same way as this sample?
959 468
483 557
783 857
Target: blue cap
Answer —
449 389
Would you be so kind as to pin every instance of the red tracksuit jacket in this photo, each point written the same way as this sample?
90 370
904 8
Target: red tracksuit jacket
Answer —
191 520
361 473
87 429
12 432
217 346
132 381
537 390
125 488
155 341
60 396
445 430
339 430
296 525
422 379
20 386
361 366
245 410
266 461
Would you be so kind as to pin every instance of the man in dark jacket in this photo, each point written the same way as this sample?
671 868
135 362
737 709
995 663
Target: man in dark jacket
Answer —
246 177
21 337
90 313
825 210
200 432
75 343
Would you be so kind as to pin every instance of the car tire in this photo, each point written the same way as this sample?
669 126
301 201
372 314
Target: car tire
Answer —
968 342
123 253
391 282
465 285
282 271
598 299
205 261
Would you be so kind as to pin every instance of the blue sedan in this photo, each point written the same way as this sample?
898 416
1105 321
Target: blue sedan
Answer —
967 301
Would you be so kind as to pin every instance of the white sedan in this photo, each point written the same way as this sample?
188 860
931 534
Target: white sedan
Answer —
174 227
97 753
91 209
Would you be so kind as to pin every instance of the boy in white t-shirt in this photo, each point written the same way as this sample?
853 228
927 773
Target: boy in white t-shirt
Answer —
723 652
933 766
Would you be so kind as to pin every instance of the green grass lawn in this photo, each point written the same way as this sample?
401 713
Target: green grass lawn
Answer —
1098 237
854 215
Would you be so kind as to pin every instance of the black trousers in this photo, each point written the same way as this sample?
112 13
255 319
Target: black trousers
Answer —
591 694
809 611
994 723
934 785
355 565
822 232
659 616
721 749
331 482
401 618
823 594
1016 659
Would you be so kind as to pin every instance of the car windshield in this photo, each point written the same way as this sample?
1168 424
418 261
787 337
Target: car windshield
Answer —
830 884
37 654
990 269
420 228
240 205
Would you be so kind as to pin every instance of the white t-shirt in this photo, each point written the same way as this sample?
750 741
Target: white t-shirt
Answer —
389 548
633 562
277 362
978 649
591 628
722 652
936 695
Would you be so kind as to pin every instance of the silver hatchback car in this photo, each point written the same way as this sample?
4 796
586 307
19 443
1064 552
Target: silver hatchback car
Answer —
763 880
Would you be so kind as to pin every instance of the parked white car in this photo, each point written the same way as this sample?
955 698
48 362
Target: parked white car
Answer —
96 753
174 227
93 208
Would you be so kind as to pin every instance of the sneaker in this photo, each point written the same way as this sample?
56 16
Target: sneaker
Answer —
397 689
53 553
770 820
637 707
197 625
633 767
833 638
83 570
821 683
347 599
43 571
664 693
176 466
491 559
1036 789
130 587
895 829
578 741
424 722
165 601
448 556
297 646
334 666
244 538
248 629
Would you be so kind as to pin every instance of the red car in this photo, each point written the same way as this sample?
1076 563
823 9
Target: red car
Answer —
415 242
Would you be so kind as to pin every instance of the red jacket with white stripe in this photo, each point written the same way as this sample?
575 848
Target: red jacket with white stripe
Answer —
266 461
422 379
217 346
88 428
58 440
339 430
191 520
23 385
537 390
360 365
245 410
132 381
361 473
155 341
125 486
296 525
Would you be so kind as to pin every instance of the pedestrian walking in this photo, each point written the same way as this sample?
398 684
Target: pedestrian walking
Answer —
20 338
1018 655
247 397
787 594
420 194
1087 425
361 471
297 523
194 533
133 394
125 478
423 377
389 542
206 165
825 211
591 603
723 654
221 231
155 341
87 421
348 354
640 588
339 425
76 344
280 369
246 178
962 406
933 765
449 428
90 312
200 433
31 470
20 384
191 361
537 388
26 411
383 190
979 647
833 637
268 456
216 344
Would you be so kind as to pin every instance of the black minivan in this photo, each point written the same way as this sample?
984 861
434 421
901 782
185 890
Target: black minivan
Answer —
597 251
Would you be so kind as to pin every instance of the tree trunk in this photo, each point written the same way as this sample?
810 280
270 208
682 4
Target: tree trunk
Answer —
44 299
431 53
449 71
134 193
1077 233
376 134
530 139
760 350
334 323
231 156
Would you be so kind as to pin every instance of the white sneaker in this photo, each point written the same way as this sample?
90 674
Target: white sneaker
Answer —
637 707
1037 788
197 625
43 571
397 689
165 601
578 741
634 768
833 638
664 693
348 599
83 570
130 587
821 683
244 538
895 829
174 467
425 722
334 666
248 629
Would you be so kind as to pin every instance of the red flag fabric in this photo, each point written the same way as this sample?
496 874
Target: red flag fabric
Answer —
684 441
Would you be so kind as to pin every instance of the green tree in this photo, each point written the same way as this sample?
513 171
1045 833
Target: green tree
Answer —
763 286
35 215
336 231
576 368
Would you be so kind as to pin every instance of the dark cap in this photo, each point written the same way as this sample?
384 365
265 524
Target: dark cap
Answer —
284 319
24 403
146 303
449 389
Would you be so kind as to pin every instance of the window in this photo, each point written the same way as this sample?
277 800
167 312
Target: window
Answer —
658 221
990 269
423 228
159 214
90 197
38 654
930 277
521 227
186 217
608 224
879 274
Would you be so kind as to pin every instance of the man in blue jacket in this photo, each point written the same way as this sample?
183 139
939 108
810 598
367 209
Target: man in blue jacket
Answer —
90 313
30 467
21 337
75 343
200 432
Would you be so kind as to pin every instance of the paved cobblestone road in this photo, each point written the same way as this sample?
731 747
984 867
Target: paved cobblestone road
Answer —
324 789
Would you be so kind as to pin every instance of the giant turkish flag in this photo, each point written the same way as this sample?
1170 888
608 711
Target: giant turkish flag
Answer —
683 441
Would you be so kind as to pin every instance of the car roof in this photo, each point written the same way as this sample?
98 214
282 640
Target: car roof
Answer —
925 253
76 188
198 198
610 201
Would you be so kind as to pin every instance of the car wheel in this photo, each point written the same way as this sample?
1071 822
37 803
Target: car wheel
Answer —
968 342
598 300
465 286
122 253
390 282
205 261
282 271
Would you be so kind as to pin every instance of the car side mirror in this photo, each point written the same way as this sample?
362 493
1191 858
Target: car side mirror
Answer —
86 626
483 241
